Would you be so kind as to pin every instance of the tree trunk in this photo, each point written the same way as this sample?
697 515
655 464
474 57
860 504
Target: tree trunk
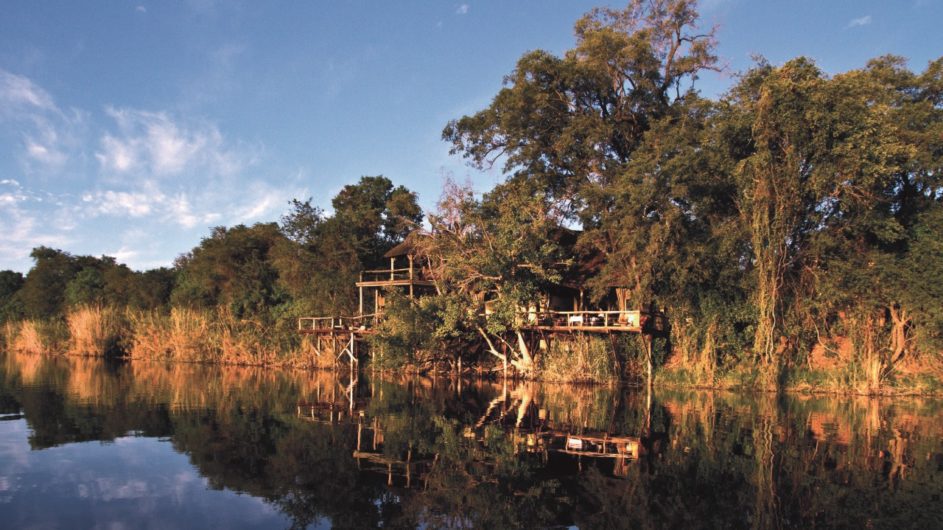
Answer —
899 324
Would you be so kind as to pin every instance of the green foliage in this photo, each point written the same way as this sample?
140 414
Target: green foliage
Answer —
425 331
231 268
43 291
86 288
375 215
500 250
10 306
59 280
578 359
321 257
573 122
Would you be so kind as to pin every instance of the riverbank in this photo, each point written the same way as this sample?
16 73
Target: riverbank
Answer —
191 336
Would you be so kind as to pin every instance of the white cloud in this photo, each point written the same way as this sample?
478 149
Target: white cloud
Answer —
119 203
264 202
860 21
116 155
125 170
49 136
180 212
462 9
124 254
141 9
149 201
22 229
154 144
17 91
49 155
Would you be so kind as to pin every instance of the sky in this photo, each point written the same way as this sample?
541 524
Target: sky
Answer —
129 128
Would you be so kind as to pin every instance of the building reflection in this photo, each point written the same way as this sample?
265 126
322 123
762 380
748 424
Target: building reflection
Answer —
407 450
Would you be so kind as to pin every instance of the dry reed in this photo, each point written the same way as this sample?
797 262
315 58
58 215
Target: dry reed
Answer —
95 330
191 335
29 339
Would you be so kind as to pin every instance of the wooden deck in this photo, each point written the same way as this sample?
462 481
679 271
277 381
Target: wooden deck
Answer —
392 278
546 321
343 326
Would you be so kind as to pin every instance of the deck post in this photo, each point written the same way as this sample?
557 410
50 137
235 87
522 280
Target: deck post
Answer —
650 346
504 348
359 433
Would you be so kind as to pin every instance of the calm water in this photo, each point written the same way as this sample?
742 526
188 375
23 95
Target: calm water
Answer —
84 443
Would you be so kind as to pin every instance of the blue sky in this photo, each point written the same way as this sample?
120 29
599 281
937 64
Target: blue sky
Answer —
128 128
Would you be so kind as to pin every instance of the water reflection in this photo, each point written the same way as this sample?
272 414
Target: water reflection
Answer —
192 445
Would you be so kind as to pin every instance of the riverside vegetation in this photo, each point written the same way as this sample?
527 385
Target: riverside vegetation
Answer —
791 229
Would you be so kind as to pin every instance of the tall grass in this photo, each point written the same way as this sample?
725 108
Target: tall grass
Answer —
191 335
582 358
96 330
34 336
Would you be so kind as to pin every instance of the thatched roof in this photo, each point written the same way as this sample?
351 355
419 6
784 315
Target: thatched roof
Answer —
406 248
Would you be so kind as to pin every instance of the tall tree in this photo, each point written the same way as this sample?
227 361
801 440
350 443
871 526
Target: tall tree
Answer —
10 284
375 215
497 254
322 256
231 268
572 123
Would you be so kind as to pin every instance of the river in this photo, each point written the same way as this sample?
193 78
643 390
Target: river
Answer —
90 443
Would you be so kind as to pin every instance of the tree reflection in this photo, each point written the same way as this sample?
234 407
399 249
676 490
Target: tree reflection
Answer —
409 451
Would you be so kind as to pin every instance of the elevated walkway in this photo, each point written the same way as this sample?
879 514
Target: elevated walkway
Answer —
591 321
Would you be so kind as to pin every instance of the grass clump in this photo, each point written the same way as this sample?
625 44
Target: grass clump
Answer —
35 336
96 331
191 335
578 359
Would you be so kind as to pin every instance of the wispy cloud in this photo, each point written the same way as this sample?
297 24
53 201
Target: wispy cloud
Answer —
47 134
860 21
153 144
462 9
147 202
265 202
21 223
124 170
17 91
120 203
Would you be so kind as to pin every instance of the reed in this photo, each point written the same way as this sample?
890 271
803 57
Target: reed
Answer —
581 359
181 335
191 335
96 330
10 331
148 332
35 337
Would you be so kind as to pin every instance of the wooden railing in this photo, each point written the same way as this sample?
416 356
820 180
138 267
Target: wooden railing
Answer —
384 275
584 319
308 324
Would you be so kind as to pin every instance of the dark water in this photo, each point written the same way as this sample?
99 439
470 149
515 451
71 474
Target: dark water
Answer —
84 443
